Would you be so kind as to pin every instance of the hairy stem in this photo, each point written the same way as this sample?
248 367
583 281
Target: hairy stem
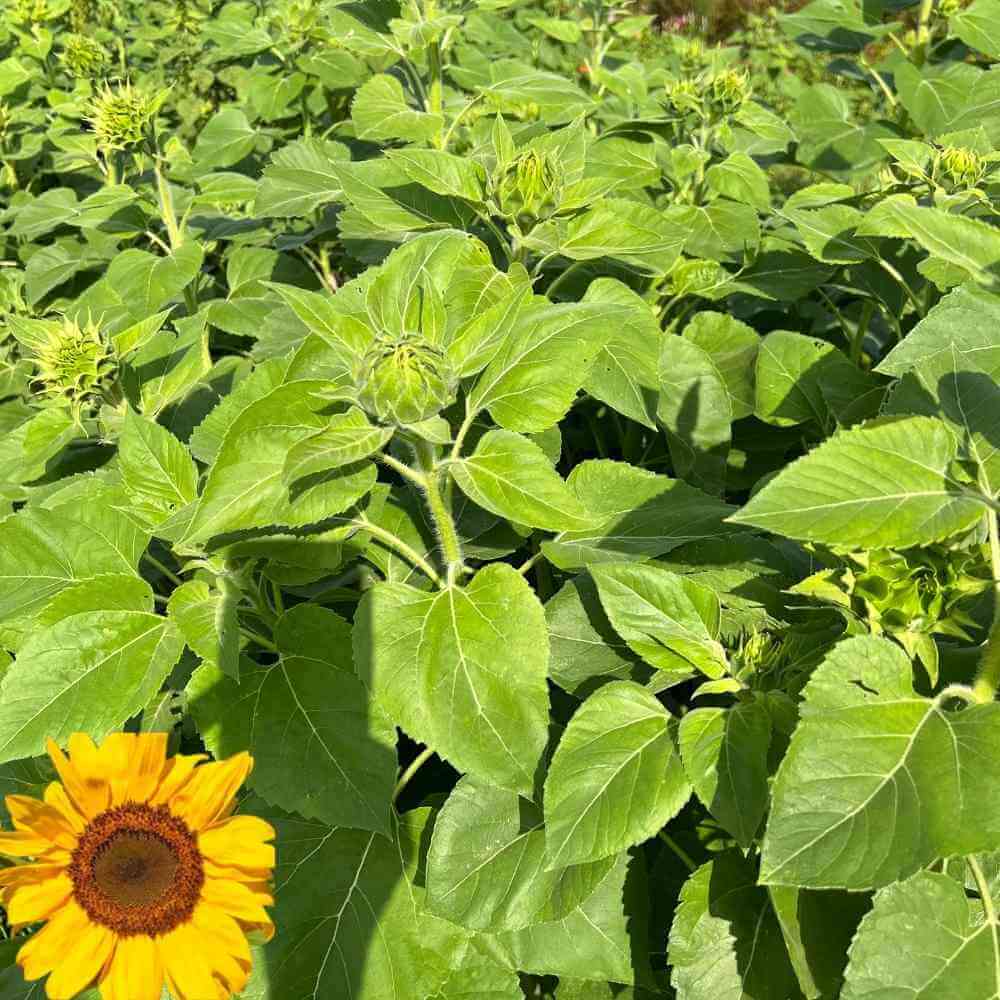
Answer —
988 678
410 555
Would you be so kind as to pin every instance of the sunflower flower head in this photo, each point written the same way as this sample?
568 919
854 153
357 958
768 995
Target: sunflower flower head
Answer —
83 56
139 871
122 116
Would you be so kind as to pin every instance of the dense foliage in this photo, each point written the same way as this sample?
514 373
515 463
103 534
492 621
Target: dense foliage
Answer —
566 455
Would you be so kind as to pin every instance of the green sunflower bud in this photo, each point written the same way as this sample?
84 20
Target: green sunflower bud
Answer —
963 168
29 11
949 8
122 116
83 57
405 380
729 91
683 96
530 188
82 13
73 363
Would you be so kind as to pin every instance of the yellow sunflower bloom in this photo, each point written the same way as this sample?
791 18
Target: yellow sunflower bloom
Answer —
140 872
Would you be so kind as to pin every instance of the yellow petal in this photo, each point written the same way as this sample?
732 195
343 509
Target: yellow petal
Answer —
79 775
225 942
41 819
176 773
249 875
45 950
135 972
55 796
239 842
38 901
80 965
115 756
23 844
224 931
239 900
146 766
186 965
210 792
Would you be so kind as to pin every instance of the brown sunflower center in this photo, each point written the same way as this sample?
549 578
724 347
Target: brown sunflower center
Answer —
137 870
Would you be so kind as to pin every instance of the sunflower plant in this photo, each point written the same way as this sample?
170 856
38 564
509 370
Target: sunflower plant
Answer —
498 500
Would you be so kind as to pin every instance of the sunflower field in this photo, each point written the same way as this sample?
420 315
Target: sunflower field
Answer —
499 499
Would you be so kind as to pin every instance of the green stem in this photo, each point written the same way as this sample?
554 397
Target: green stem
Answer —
451 546
258 640
554 287
174 233
678 850
409 554
403 469
919 54
857 343
988 679
989 908
405 778
168 573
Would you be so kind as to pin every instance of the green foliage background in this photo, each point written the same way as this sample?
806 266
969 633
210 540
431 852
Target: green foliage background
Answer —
566 454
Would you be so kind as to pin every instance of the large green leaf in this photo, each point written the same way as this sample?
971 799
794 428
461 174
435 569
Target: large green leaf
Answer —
156 468
637 515
696 410
725 941
531 381
380 111
88 673
482 663
602 939
668 620
511 476
298 180
615 779
585 650
486 867
225 140
925 938
351 916
979 26
879 780
245 487
725 756
887 483
42 552
625 373
319 746
207 619
388 627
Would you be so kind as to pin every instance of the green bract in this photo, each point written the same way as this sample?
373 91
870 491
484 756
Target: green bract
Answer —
559 442
404 380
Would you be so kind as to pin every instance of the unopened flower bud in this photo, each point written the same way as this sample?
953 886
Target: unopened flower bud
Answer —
122 116
405 380
729 90
530 188
962 167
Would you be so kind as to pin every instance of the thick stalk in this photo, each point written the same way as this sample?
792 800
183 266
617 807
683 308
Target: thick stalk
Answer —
174 231
988 678
923 32
444 524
